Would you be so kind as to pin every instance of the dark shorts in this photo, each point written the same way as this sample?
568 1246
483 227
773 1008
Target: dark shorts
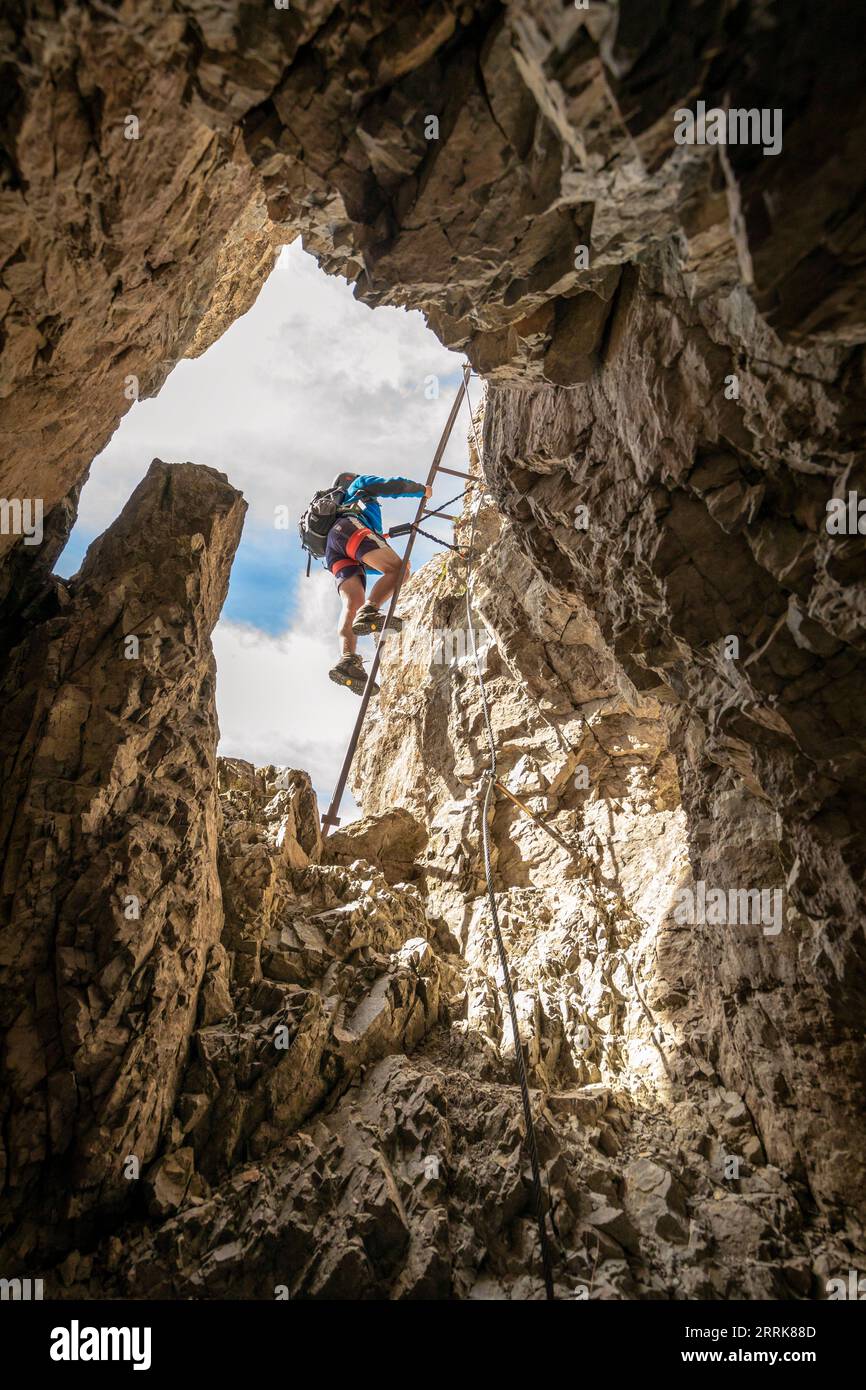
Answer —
348 542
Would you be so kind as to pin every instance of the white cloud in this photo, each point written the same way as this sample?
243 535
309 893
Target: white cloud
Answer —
275 701
307 383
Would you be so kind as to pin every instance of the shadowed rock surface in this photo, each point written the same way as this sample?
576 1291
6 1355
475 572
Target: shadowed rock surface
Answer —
110 900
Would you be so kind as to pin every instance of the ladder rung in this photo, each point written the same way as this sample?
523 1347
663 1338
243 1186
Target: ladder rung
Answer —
442 516
455 473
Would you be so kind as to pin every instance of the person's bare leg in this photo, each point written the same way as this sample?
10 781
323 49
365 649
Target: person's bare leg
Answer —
351 598
388 562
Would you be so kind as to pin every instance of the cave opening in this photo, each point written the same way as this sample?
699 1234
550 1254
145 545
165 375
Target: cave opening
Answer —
308 381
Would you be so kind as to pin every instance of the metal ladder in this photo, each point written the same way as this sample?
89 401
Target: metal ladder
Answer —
330 817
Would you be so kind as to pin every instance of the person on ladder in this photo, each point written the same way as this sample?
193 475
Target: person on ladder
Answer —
355 548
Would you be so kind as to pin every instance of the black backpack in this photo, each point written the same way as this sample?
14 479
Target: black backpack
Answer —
317 521
324 509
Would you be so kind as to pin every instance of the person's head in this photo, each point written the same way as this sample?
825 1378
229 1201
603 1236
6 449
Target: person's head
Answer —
344 479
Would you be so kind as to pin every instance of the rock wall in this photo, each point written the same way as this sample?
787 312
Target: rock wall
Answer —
614 991
348 1125
287 1071
182 984
452 158
703 554
109 900
125 244
587 755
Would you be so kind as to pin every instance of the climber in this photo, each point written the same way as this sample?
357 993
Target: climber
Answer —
355 548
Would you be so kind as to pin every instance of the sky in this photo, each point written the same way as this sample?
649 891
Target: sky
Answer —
308 383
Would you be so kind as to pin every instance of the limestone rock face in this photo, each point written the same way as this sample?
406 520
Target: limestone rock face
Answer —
131 233
183 982
110 898
455 158
341 1119
694 529
619 1001
392 840
320 970
320 975
587 755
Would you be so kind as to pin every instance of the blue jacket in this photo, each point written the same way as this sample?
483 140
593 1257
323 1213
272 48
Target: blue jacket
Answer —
373 487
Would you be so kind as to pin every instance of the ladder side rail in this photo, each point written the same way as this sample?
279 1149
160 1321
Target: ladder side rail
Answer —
330 817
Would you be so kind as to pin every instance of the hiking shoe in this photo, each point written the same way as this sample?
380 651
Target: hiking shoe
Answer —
350 671
370 619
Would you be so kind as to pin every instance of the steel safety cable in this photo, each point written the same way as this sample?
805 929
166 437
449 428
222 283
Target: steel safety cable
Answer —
489 795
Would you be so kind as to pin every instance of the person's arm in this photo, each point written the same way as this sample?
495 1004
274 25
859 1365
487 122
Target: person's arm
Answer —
392 487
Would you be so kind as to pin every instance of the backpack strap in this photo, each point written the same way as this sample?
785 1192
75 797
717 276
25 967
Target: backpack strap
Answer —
354 508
